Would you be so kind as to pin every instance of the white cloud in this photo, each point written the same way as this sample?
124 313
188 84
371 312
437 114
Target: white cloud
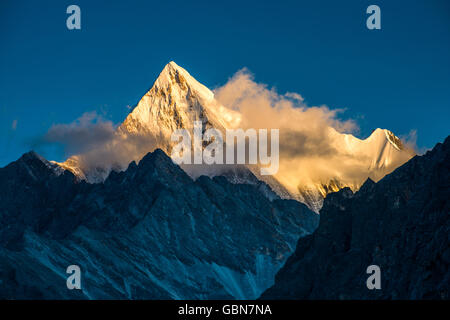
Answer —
97 144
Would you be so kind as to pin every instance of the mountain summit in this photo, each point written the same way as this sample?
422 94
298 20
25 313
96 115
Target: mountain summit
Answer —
176 100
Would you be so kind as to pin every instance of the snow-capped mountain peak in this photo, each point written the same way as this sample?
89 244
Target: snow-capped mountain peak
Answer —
373 157
174 75
175 101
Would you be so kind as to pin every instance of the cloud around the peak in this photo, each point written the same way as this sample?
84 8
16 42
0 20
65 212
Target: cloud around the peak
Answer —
85 133
312 147
303 129
97 144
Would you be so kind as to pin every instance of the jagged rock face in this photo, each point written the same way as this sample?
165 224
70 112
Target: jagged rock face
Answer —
400 224
150 232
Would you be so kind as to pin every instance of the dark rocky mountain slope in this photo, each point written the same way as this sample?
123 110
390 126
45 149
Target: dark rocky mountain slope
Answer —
150 232
400 224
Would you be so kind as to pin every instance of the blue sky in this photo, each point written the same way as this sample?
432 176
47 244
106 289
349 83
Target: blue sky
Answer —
396 78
